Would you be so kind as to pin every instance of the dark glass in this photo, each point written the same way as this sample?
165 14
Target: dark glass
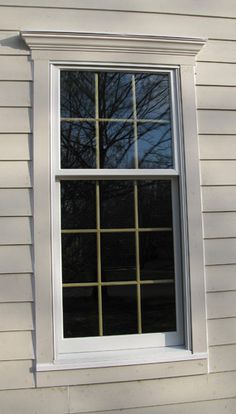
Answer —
78 204
118 256
158 308
152 96
77 94
115 95
117 204
116 145
154 145
78 145
156 255
80 312
119 310
79 258
154 203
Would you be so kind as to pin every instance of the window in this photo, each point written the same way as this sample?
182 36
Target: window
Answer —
127 162
118 236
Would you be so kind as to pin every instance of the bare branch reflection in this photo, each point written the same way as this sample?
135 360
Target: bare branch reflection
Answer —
122 100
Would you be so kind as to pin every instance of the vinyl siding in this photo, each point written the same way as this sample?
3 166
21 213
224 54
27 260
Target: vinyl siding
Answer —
216 103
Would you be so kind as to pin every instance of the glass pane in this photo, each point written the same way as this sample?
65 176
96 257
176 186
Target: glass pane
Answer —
78 204
115 95
79 258
158 308
117 204
119 310
154 203
118 256
80 312
154 145
156 255
77 94
116 145
152 96
78 145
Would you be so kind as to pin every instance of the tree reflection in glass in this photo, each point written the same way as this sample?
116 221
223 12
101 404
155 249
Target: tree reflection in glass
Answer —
152 96
154 145
120 116
115 95
116 145
77 94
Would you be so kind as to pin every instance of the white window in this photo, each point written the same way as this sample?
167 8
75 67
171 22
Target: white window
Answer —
117 243
118 239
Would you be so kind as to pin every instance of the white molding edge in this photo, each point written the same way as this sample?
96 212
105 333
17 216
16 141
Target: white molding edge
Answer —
112 42
148 356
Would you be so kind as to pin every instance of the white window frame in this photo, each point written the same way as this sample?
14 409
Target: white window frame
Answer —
55 49
85 349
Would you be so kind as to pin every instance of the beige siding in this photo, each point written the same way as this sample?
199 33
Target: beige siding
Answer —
21 117
15 147
216 122
15 174
16 374
27 401
110 21
221 277
222 74
15 202
16 345
216 102
220 251
15 259
216 97
16 316
190 7
15 68
218 172
126 395
215 51
222 331
219 225
219 198
226 406
15 94
218 147
15 230
222 358
12 44
221 305
16 288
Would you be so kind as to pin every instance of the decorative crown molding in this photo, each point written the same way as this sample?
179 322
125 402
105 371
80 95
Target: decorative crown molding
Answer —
112 42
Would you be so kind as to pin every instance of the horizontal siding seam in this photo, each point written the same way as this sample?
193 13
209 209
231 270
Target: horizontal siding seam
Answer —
117 10
212 84
217 62
221 318
222 346
116 410
220 291
215 238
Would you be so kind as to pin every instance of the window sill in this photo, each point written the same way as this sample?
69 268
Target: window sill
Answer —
144 364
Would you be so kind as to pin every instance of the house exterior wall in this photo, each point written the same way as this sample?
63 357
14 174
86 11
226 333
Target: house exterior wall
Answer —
214 392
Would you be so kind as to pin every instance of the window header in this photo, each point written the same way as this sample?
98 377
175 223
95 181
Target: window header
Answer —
110 42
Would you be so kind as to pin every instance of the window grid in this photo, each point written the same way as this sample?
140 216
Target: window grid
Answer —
166 173
134 120
138 282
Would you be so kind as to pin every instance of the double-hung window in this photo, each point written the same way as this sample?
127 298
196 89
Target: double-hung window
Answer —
118 257
117 238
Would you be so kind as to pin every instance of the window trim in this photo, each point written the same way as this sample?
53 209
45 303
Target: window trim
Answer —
93 48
